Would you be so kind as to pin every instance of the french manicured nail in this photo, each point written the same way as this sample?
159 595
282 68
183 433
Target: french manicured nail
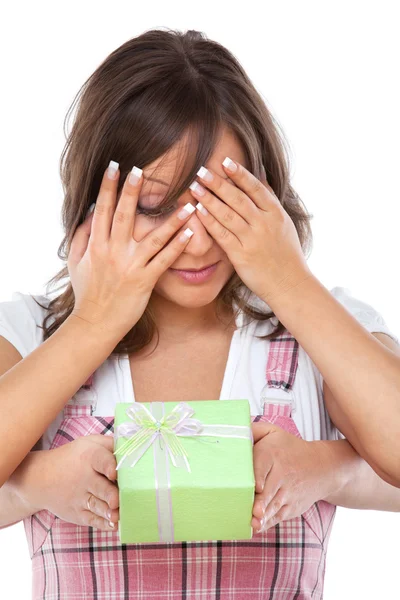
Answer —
186 210
135 175
205 174
197 188
108 514
112 169
111 524
91 209
186 234
201 208
229 164
261 525
262 507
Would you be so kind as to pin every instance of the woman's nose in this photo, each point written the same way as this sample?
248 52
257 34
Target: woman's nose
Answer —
201 236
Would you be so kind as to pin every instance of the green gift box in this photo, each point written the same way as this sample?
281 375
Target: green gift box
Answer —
185 470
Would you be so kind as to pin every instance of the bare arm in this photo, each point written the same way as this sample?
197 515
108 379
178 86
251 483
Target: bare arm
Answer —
35 390
362 488
14 493
361 372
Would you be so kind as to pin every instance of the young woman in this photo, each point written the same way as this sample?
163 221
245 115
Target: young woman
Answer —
135 323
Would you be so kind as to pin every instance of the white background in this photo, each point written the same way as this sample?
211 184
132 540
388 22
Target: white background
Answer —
328 72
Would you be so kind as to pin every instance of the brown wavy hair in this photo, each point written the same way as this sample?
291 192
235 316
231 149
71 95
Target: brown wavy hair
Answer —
143 98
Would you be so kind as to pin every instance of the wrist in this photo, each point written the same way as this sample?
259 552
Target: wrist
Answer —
338 459
287 291
93 328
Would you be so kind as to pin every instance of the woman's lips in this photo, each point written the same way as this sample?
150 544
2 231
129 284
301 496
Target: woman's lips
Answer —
196 276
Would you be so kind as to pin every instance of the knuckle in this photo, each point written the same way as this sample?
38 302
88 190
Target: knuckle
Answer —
120 216
163 261
156 241
256 186
224 233
96 250
103 208
275 506
92 504
228 216
238 197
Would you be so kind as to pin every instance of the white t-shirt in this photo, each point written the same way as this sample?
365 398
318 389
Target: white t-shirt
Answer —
244 374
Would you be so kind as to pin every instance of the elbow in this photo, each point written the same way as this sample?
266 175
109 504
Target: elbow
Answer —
387 467
5 525
383 456
392 477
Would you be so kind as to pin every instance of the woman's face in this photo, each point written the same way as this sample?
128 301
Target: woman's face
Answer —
202 250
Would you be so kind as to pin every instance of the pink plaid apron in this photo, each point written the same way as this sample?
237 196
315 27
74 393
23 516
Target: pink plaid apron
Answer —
72 562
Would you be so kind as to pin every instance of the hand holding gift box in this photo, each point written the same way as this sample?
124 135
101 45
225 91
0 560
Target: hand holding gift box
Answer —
182 478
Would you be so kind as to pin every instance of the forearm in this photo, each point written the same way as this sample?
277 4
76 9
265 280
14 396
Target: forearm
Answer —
361 373
15 493
35 390
360 486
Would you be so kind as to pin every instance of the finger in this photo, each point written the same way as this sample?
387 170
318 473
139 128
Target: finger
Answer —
113 515
80 240
105 491
97 506
260 526
272 486
278 517
225 226
258 506
124 216
261 195
234 200
105 205
261 428
92 520
104 462
256 525
274 506
263 463
155 242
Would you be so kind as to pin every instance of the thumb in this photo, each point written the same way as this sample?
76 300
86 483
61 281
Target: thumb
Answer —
260 429
80 240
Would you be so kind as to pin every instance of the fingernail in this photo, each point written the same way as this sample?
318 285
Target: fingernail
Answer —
90 210
197 188
111 524
186 234
201 208
135 175
186 210
109 514
205 174
112 169
229 164
262 523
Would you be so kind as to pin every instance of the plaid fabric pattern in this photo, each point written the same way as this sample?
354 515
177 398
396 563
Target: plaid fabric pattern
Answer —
282 361
287 562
